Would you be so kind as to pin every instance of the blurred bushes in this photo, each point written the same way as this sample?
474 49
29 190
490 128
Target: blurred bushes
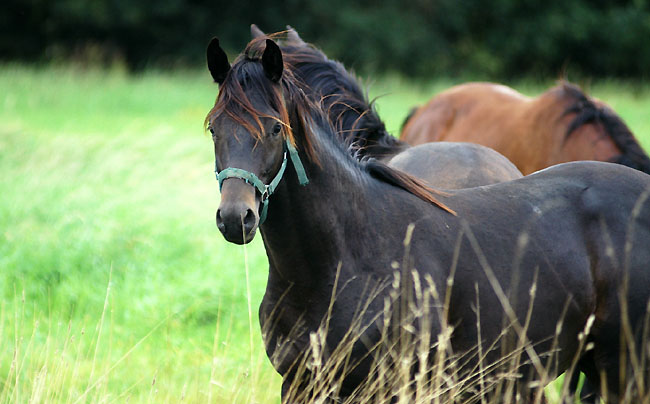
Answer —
498 39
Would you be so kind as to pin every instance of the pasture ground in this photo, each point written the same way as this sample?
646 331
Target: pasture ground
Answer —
115 281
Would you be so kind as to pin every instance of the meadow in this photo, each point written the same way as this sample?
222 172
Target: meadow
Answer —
116 285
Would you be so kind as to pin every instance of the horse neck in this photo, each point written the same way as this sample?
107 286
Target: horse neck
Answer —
306 229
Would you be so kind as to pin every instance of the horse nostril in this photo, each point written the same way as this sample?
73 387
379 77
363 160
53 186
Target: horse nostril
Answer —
249 221
220 224
236 222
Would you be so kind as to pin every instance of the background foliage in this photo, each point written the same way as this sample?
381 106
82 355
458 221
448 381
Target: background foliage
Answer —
494 40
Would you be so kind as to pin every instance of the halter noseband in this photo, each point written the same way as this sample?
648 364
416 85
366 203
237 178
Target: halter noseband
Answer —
265 190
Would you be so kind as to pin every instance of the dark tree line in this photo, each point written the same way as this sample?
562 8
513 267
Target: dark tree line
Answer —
424 38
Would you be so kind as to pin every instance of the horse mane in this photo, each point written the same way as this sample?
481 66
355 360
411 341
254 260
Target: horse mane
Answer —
588 111
405 181
354 117
288 99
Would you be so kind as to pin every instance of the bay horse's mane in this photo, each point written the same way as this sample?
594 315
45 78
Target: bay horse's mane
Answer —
356 120
288 100
588 110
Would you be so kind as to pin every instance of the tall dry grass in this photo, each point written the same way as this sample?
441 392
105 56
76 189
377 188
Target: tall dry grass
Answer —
410 364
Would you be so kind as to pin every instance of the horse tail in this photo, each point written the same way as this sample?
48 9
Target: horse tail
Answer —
408 118
406 182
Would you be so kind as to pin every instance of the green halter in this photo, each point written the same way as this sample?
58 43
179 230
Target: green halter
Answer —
266 190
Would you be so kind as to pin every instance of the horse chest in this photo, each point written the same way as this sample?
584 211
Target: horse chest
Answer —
295 320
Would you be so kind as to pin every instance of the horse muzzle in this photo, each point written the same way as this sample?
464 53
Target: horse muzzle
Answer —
237 217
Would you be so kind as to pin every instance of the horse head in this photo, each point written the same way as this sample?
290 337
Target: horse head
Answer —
251 137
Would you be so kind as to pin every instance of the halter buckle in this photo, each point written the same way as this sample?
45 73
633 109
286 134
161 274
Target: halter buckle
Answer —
265 195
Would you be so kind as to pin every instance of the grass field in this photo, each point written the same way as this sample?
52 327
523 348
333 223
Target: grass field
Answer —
115 281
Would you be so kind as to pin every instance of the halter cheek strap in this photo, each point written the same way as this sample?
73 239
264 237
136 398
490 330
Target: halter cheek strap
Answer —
266 190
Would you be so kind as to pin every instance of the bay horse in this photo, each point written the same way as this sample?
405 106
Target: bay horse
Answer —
560 125
560 256
448 165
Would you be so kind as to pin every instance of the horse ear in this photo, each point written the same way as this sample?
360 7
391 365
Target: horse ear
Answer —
256 32
272 61
217 61
292 36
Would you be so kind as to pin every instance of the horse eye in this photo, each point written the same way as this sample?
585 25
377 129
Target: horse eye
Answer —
277 128
211 130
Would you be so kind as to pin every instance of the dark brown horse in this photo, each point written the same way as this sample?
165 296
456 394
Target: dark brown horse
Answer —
568 245
359 127
562 124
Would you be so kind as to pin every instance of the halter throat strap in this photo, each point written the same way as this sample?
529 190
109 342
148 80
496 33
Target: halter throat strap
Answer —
266 190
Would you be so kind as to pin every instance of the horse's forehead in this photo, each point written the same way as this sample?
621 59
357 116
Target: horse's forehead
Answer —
262 104
262 109
231 127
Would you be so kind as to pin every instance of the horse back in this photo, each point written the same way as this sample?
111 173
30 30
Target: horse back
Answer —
489 114
579 233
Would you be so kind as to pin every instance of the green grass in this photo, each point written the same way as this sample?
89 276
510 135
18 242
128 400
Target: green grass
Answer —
115 281
105 174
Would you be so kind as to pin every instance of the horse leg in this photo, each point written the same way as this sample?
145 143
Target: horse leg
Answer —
294 388
621 382
602 365
589 393
573 383
286 389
